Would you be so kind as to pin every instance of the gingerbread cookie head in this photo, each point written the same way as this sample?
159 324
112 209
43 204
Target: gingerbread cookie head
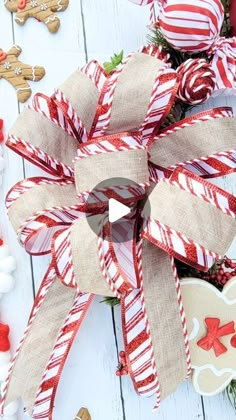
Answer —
17 73
11 5
211 322
42 10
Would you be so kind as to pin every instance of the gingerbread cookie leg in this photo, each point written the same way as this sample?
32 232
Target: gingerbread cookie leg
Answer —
59 5
17 73
51 20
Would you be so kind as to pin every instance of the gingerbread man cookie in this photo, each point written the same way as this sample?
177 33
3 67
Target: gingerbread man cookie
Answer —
211 324
17 73
42 10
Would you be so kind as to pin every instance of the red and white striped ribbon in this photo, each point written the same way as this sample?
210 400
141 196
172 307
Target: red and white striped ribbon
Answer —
45 397
217 164
47 282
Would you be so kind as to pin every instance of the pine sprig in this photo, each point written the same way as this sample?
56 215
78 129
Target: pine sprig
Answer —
231 393
111 301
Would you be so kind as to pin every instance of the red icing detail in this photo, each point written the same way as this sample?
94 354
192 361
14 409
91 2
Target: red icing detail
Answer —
211 340
21 4
3 55
233 341
4 340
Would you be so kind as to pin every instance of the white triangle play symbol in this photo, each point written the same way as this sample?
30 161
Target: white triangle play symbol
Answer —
117 210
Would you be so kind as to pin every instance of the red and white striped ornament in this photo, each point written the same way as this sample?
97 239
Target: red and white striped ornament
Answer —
191 27
223 62
197 81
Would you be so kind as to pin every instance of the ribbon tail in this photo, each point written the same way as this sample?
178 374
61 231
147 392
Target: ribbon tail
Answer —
50 309
44 403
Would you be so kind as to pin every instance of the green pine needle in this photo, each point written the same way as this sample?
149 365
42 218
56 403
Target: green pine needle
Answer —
111 301
109 66
231 393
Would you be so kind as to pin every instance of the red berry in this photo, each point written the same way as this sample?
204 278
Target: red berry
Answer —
233 341
1 242
219 278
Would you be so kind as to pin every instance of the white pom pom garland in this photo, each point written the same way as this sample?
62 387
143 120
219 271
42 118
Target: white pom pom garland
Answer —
7 266
6 282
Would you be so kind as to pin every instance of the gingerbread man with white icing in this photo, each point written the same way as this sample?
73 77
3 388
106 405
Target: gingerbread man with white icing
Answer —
42 10
17 73
211 324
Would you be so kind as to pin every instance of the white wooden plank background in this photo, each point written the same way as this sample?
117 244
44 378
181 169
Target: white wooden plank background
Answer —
90 29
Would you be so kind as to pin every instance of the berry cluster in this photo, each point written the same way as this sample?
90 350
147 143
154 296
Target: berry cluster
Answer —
223 271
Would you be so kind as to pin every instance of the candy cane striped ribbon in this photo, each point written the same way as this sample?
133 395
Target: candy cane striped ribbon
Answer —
217 164
44 402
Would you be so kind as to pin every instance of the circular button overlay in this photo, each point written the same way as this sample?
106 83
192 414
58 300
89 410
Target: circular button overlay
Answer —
117 221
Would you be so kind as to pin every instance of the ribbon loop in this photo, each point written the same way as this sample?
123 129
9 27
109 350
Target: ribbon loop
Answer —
189 231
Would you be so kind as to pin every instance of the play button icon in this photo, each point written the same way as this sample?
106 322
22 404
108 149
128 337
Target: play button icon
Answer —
120 213
117 210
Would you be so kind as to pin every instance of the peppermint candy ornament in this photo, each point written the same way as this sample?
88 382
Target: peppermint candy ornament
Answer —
223 56
191 27
197 81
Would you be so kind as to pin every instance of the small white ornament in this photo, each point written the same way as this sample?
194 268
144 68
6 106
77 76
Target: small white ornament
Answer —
43 7
6 282
18 71
8 264
11 408
33 3
4 251
4 372
7 65
5 357
2 164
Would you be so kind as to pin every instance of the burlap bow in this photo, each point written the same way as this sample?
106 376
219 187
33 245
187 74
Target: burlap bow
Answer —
107 126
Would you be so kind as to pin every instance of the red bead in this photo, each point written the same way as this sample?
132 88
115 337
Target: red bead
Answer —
4 341
219 278
233 341
221 271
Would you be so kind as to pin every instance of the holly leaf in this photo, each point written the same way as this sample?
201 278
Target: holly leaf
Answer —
110 66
